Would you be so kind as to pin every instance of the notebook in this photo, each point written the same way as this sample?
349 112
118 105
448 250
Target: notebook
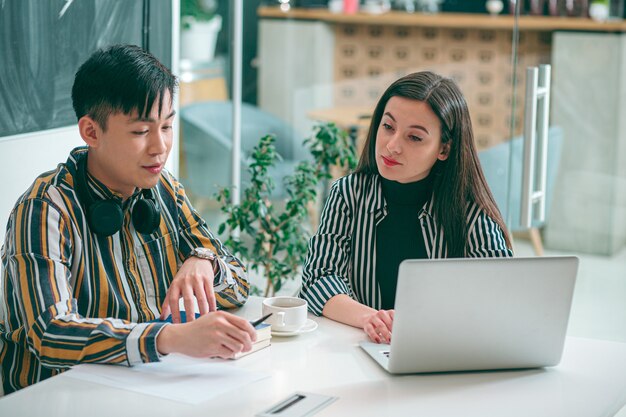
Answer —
478 314
263 339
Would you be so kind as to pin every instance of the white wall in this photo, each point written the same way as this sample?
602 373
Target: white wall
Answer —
24 157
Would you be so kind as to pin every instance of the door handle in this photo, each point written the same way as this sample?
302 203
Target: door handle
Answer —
536 122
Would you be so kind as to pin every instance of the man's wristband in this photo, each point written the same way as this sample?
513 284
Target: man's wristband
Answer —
209 255
204 253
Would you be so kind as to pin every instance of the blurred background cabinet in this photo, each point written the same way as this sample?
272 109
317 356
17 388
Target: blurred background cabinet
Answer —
589 102
311 58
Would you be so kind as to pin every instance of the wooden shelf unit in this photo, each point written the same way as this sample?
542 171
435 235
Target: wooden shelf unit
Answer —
447 20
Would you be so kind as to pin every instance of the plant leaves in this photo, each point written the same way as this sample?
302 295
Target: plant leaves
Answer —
272 240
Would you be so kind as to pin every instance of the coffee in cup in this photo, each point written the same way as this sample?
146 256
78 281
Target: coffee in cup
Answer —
289 314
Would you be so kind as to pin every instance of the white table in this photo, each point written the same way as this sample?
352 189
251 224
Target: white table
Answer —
590 381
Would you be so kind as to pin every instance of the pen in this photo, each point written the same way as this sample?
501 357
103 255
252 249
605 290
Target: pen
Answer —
259 321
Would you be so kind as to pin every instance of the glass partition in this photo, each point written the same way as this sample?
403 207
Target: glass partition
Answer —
312 61
585 185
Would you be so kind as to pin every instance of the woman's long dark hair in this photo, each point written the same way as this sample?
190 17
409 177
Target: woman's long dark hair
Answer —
459 179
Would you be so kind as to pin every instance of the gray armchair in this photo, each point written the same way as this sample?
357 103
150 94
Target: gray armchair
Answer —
207 145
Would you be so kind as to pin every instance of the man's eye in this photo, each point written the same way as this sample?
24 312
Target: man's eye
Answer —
139 132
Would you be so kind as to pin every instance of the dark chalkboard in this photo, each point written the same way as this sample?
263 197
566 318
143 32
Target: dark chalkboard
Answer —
43 42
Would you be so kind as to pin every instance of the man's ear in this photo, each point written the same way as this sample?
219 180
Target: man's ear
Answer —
90 131
445 152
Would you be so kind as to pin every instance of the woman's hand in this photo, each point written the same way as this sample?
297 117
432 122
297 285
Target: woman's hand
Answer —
378 326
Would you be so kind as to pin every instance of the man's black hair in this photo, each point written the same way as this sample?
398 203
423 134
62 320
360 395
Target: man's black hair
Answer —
120 79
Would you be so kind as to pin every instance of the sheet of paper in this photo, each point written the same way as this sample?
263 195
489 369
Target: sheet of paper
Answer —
177 378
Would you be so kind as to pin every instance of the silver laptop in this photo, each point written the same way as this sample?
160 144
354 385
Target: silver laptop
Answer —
478 314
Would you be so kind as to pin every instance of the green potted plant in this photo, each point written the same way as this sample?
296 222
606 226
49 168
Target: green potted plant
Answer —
271 240
200 25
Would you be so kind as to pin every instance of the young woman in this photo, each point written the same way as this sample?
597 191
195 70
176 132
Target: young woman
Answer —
418 192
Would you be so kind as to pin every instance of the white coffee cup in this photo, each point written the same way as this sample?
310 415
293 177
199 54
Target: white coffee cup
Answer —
288 313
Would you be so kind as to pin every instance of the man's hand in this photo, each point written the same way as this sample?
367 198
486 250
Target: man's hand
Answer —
195 278
378 326
218 334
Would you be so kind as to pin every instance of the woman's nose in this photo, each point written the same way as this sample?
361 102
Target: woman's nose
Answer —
394 145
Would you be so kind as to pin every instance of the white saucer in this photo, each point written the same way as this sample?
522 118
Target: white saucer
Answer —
309 326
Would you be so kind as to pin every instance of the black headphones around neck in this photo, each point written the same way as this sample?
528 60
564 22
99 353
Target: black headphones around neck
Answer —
105 217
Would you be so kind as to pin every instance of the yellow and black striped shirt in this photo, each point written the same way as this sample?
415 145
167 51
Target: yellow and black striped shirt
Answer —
69 296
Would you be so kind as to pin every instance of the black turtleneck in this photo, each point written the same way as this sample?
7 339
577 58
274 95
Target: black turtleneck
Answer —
399 234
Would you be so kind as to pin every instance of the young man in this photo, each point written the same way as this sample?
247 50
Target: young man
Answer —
108 242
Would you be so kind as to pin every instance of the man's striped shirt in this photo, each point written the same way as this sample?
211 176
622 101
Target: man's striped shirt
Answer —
69 296
342 254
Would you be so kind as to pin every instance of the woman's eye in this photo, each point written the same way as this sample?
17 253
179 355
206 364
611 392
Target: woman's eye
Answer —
415 138
167 128
386 126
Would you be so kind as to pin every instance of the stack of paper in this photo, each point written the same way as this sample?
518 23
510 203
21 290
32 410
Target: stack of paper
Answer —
176 377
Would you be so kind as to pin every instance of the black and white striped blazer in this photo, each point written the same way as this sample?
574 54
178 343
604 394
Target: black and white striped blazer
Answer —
342 254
